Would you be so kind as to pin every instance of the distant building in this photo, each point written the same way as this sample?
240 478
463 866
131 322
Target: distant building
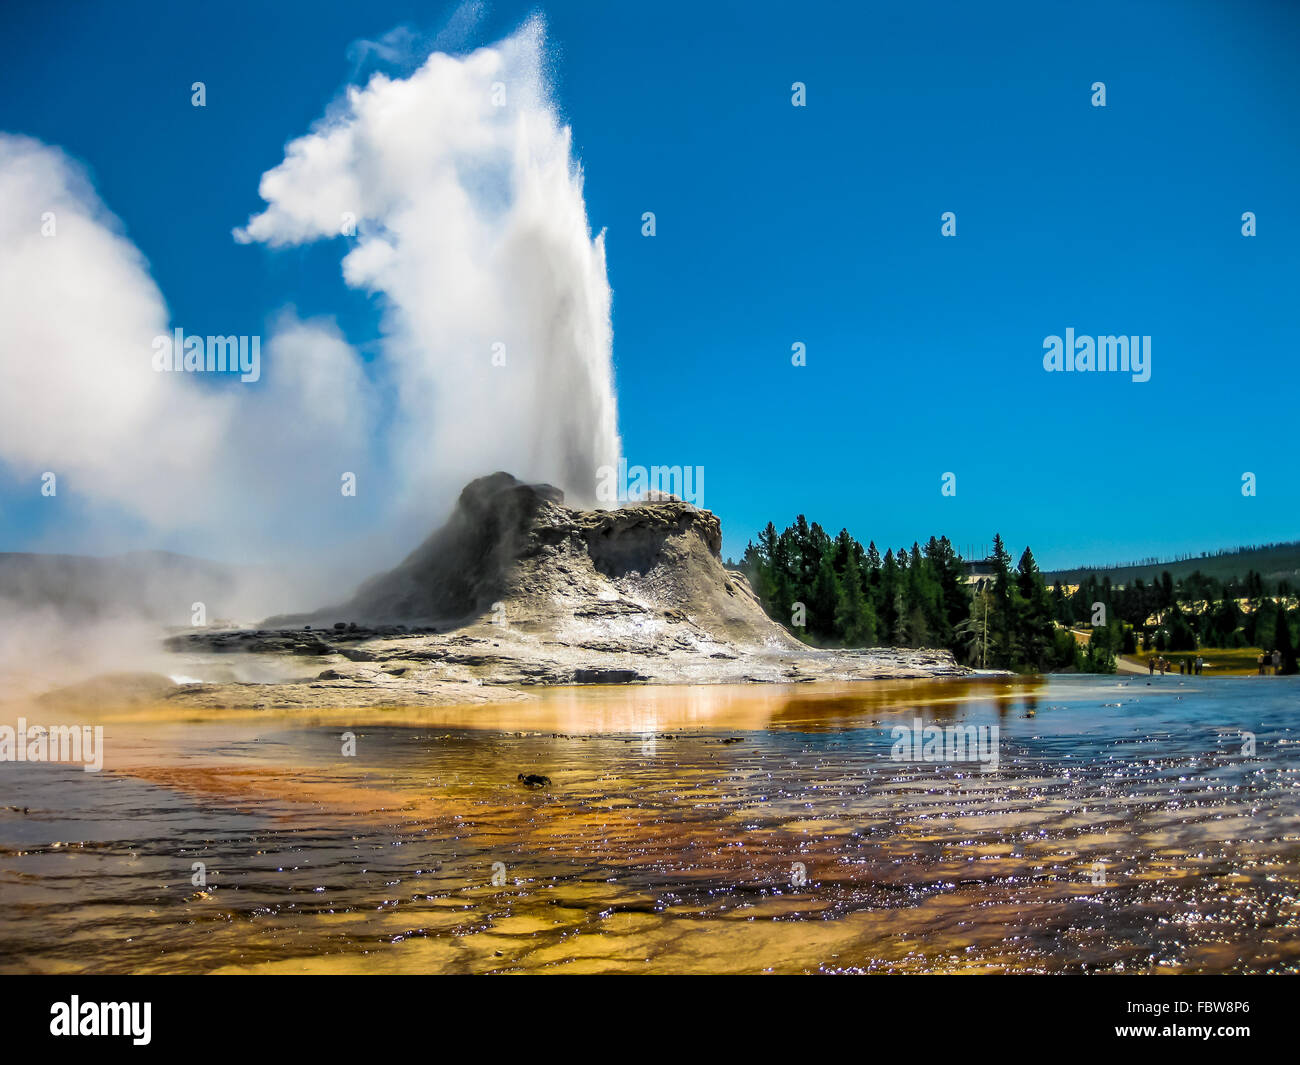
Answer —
979 573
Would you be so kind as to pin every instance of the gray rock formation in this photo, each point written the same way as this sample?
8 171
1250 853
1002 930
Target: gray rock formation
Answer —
519 589
549 565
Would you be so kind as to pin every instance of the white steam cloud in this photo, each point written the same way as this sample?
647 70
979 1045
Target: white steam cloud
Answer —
219 465
78 312
470 221
470 226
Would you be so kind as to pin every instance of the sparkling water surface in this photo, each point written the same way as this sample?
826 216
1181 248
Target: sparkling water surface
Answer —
1128 827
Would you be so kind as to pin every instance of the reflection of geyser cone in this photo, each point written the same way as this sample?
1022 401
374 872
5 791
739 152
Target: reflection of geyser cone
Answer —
514 553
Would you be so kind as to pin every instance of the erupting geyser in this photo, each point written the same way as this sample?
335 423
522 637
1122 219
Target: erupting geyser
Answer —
458 194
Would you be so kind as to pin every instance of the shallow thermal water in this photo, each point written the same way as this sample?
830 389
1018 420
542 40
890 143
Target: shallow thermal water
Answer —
1123 830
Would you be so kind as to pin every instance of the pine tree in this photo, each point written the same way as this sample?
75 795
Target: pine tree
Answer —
845 547
855 619
1283 640
871 581
889 595
953 600
1003 638
873 558
918 632
1060 609
785 577
972 633
824 600
758 571
1264 635
901 634
1034 620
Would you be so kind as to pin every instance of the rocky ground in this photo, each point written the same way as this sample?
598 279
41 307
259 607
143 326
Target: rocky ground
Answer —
518 590
498 663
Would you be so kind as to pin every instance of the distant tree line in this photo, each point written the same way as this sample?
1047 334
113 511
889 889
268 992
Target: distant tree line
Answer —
1224 552
834 592
1276 562
1182 615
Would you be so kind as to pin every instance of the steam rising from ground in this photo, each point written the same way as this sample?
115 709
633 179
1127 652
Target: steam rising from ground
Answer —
470 227
80 310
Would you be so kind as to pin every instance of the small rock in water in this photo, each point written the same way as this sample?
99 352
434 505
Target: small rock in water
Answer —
534 780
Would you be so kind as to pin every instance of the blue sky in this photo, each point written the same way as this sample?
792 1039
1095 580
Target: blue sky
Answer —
819 224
